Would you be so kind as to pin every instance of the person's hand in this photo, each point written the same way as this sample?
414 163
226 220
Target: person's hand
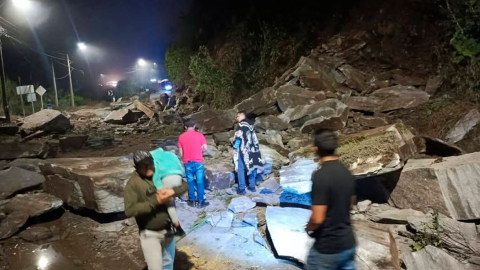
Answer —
164 195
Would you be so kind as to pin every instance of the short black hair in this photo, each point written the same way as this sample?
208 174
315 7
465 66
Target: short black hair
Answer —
143 161
189 123
326 142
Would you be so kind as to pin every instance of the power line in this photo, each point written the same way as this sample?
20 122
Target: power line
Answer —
33 49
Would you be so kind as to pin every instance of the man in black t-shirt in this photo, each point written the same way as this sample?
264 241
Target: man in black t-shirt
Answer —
333 192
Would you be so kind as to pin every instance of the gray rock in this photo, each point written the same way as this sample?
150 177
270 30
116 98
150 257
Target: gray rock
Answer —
30 164
327 109
363 206
35 234
389 99
463 126
396 216
459 239
274 137
297 143
34 204
251 219
297 178
12 224
270 184
94 183
16 179
354 78
270 155
12 150
221 220
333 118
432 258
219 175
291 96
224 138
270 122
357 153
258 103
433 84
371 121
450 185
318 75
49 121
401 79
90 113
72 142
241 204
210 121
122 116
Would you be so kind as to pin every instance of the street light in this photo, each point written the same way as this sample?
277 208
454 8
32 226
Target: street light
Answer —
142 62
82 46
22 4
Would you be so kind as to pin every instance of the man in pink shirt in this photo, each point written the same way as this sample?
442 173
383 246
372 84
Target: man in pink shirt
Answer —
191 145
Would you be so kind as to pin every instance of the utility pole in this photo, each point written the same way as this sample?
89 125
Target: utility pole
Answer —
71 84
55 86
4 87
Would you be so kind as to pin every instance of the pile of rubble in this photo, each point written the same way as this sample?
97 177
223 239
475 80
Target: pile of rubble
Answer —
418 195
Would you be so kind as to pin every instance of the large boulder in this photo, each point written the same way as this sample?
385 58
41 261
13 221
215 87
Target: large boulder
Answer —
388 99
93 183
271 156
463 126
16 179
270 122
297 177
49 121
224 138
290 96
432 258
258 103
330 113
122 116
23 150
319 75
34 204
353 77
210 121
378 150
219 174
450 185
12 224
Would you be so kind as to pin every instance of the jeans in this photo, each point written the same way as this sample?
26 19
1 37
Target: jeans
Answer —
344 260
158 249
195 169
242 171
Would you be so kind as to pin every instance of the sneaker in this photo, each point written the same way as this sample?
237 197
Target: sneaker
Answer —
191 204
203 204
252 189
241 192
179 231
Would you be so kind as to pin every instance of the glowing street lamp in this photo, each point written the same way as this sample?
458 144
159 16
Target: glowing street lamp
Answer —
142 62
22 4
82 46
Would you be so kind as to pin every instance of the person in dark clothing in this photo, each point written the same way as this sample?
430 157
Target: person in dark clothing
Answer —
246 154
148 206
333 192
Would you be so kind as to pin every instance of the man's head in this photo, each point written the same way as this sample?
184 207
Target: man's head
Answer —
143 163
325 142
189 124
241 115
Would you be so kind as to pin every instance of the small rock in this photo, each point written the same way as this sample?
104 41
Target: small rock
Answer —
364 205
396 216
34 234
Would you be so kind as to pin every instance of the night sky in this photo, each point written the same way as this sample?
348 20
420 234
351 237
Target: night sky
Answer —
117 33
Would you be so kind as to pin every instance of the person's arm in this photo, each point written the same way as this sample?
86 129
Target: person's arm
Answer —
135 208
204 144
180 147
320 193
168 193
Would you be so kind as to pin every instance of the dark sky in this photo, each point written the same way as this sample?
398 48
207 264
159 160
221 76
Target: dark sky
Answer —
117 33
